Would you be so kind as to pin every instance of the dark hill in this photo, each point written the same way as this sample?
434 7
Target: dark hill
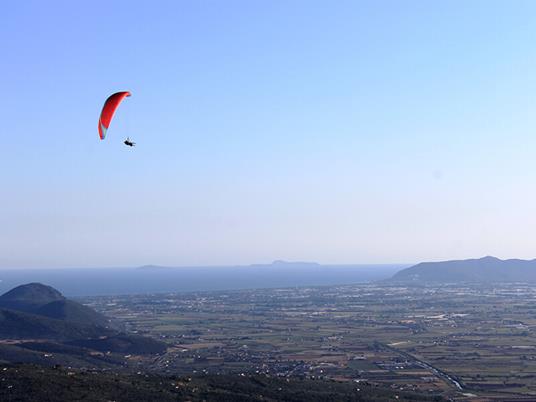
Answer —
486 270
39 312
23 325
46 301
29 297
32 293
69 310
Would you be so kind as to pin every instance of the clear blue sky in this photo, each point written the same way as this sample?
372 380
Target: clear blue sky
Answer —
337 132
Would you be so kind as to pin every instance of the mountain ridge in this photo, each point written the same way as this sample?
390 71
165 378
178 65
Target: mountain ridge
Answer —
486 269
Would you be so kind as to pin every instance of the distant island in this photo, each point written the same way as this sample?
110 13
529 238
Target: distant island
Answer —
273 264
486 270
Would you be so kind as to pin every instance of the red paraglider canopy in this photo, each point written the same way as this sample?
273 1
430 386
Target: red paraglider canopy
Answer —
108 111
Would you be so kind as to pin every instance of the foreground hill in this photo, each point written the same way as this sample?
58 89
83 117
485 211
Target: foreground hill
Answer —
39 325
485 270
71 311
39 311
30 297
31 383
46 301
21 325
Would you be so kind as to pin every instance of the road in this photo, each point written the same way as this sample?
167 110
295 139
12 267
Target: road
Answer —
437 372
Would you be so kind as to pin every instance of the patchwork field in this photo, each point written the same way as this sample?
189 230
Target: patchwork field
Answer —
465 342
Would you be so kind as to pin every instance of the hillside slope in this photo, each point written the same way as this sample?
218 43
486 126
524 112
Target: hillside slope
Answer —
68 310
30 383
39 325
21 325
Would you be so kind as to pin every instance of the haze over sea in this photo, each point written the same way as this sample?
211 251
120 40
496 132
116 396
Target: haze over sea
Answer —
152 279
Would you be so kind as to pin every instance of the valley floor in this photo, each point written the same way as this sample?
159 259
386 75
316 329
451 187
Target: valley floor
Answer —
463 342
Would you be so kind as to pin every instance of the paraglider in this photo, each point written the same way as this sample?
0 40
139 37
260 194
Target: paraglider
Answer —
129 143
108 111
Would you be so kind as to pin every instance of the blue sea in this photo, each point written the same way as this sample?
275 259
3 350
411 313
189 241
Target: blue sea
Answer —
123 281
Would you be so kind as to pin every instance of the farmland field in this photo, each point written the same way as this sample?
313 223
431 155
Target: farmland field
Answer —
465 342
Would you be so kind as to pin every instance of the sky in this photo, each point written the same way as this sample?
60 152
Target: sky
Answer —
337 132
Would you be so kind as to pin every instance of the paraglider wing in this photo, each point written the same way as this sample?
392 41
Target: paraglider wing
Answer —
108 111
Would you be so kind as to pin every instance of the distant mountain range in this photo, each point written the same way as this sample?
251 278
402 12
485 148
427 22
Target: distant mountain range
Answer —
484 270
39 325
